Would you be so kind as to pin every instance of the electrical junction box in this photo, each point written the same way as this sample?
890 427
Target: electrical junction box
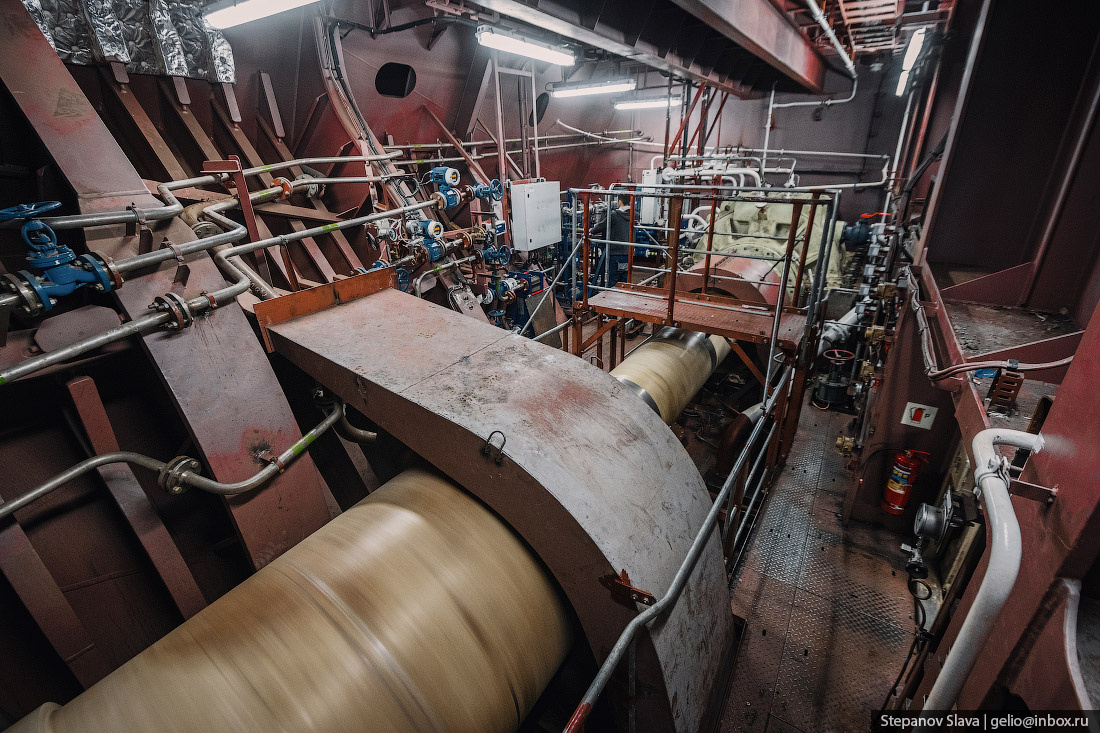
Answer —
536 215
919 416
649 206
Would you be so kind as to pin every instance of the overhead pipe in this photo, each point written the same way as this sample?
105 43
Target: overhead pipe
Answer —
134 214
822 21
492 143
1005 552
707 172
820 102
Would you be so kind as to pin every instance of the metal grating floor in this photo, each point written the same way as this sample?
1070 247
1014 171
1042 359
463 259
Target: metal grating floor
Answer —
829 618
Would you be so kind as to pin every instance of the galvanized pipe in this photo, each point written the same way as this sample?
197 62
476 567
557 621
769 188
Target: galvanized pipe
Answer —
272 469
188 478
1005 552
819 16
550 287
9 507
552 331
174 207
437 269
690 250
201 303
670 597
756 492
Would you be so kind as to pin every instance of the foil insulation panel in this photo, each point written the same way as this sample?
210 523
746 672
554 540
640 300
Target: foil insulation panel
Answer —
147 36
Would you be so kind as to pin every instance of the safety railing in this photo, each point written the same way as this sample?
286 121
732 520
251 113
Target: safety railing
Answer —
785 373
667 601
790 261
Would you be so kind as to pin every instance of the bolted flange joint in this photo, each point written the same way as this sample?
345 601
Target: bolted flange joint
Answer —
170 477
176 305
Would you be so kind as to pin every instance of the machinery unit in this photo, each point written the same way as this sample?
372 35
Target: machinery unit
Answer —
378 385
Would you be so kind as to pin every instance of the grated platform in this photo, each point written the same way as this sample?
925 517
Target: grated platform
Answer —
829 618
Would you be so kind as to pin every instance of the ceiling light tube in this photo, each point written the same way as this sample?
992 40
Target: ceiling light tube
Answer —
912 52
658 103
229 13
613 86
504 41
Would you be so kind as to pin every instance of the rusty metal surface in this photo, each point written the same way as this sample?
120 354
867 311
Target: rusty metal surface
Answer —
134 504
251 413
1061 541
829 619
590 476
43 599
313 300
695 316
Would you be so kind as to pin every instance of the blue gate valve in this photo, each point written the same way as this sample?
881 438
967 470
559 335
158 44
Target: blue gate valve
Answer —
498 256
493 190
61 271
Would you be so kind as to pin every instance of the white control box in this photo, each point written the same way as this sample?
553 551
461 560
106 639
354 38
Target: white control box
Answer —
536 215
649 206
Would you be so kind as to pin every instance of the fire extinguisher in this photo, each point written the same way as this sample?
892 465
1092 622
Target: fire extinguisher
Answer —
903 475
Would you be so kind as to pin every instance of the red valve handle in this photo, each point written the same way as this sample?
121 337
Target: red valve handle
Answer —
839 355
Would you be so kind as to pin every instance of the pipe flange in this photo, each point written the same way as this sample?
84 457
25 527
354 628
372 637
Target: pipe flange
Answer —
286 185
170 477
311 190
206 229
31 305
176 305
112 271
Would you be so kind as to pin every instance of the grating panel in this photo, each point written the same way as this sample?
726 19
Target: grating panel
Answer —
759 656
856 578
837 667
826 606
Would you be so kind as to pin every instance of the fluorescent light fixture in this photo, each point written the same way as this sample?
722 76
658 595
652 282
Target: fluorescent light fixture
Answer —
235 12
503 41
912 52
613 86
659 103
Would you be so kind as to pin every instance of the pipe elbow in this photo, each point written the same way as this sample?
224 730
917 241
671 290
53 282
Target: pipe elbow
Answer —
983 447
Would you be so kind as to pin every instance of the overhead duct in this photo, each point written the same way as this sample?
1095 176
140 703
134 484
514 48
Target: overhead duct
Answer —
415 610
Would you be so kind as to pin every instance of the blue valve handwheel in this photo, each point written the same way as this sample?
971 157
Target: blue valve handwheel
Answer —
28 211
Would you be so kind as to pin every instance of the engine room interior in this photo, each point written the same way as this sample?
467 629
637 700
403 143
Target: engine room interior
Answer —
531 366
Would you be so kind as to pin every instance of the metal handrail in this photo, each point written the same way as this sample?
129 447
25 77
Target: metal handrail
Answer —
668 600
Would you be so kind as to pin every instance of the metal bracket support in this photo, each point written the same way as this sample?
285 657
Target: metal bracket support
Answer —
1034 492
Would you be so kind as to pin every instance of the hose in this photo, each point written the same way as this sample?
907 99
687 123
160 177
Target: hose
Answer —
932 369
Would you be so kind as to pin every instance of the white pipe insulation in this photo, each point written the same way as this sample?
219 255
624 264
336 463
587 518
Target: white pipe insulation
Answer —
669 369
1005 552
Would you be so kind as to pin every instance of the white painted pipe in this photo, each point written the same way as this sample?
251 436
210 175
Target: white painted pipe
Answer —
837 331
1005 552
824 23
673 173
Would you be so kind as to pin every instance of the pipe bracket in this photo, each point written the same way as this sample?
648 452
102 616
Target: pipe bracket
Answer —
1034 492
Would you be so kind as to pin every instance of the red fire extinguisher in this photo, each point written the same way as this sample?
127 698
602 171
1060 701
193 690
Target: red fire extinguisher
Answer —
903 475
